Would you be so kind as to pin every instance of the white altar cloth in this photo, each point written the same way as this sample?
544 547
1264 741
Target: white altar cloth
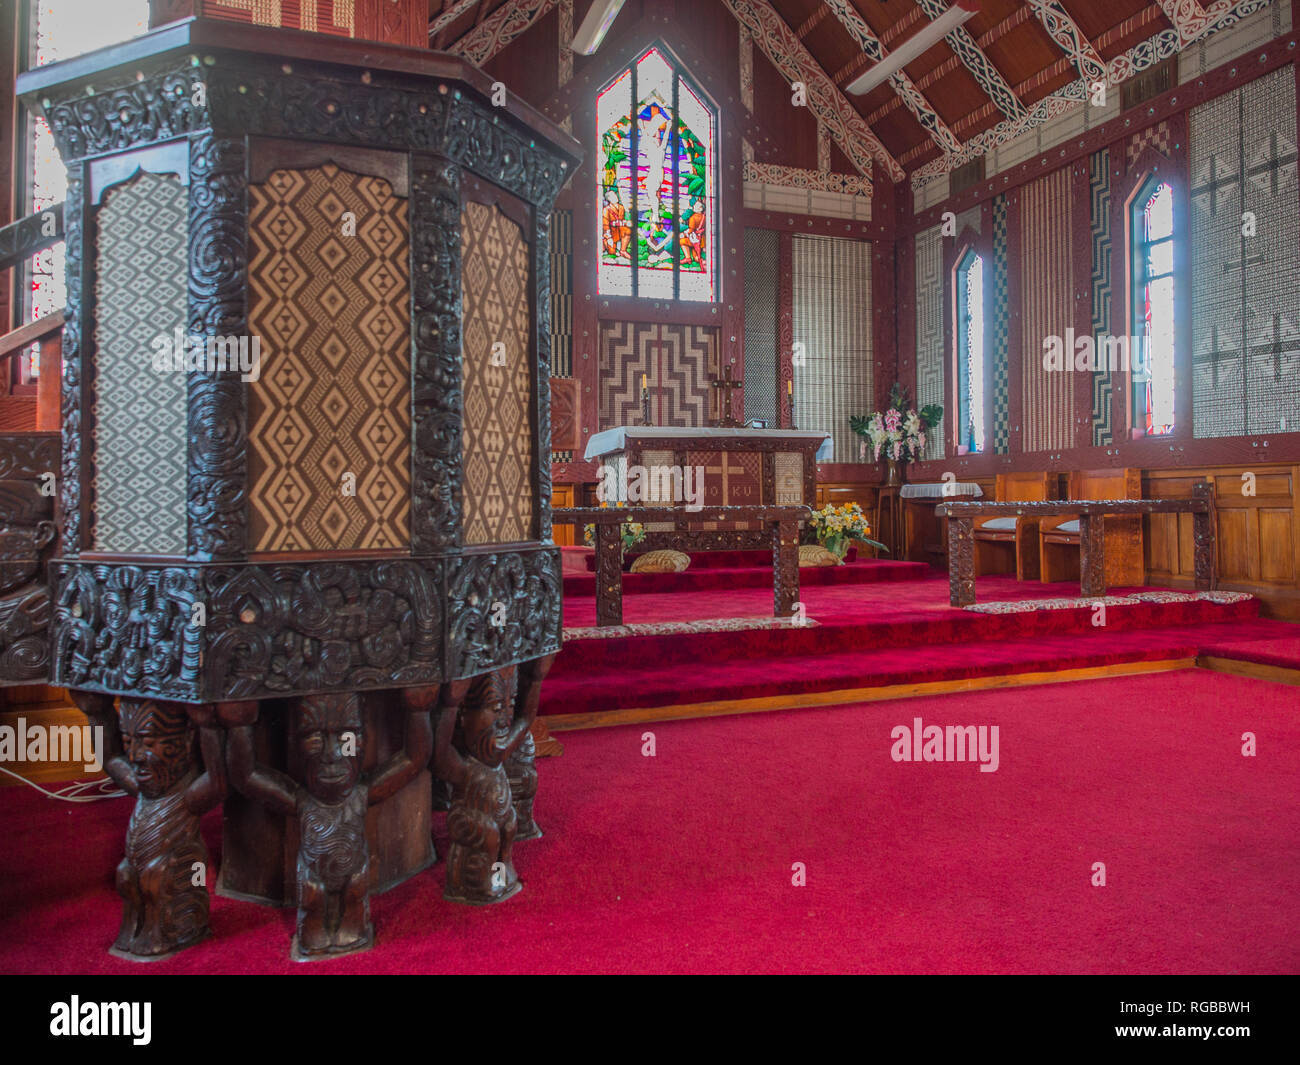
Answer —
616 439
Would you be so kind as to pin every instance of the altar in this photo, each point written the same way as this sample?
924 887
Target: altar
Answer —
696 467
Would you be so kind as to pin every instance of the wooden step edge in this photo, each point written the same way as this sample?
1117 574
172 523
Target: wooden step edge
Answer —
803 700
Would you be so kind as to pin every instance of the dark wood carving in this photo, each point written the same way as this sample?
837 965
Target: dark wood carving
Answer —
218 512
435 362
566 414
481 725
330 806
151 753
217 628
521 768
781 535
28 468
1092 513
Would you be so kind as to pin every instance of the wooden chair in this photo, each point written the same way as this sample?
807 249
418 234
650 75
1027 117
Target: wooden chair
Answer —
1058 538
1010 545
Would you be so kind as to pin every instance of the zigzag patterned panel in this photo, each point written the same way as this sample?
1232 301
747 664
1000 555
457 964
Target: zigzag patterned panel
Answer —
561 302
139 416
761 265
496 438
998 326
1246 290
679 361
1047 280
1099 226
929 330
832 318
333 398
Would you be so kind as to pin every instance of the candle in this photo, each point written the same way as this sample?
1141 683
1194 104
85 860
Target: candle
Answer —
643 378
789 387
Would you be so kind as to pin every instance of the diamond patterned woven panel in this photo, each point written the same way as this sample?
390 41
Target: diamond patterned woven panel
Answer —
1245 331
330 307
496 440
139 414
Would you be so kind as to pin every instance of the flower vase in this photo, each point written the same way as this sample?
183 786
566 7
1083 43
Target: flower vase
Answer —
837 546
894 471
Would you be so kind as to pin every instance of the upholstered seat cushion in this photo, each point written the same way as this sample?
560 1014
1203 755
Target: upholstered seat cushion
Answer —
1071 526
816 555
661 562
999 525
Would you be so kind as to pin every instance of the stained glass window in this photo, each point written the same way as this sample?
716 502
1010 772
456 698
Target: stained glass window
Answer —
1152 344
658 224
63 29
970 353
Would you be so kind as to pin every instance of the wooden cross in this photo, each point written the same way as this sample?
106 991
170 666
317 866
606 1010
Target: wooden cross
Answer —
726 385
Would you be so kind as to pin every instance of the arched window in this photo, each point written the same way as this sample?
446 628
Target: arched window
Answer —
657 219
970 353
1154 299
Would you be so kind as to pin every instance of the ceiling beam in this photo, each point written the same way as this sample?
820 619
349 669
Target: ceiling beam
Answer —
1017 18
1140 57
1070 39
922 110
973 58
792 59
451 11
496 31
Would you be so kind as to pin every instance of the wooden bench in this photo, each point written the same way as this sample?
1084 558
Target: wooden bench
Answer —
783 524
1010 545
1059 538
1092 540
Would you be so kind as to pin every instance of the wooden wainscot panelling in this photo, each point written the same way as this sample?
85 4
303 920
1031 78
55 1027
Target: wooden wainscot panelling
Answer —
564 495
1257 531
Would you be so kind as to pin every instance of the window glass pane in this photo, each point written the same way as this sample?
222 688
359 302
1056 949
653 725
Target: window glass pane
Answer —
1160 213
613 119
65 28
1160 258
695 194
656 185
1160 301
975 350
656 231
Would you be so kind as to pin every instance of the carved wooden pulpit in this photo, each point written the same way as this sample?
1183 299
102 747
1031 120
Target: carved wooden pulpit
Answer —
305 492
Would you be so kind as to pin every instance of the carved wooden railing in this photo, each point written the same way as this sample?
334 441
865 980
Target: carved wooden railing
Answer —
29 462
1092 514
782 521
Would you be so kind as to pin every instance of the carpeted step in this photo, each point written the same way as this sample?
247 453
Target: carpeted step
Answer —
712 578
646 683
950 628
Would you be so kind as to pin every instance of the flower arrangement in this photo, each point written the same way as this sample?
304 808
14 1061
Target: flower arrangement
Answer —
835 527
897 433
630 532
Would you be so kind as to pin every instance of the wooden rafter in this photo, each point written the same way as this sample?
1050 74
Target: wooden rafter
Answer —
912 98
451 11
496 31
1070 39
1136 59
973 58
791 58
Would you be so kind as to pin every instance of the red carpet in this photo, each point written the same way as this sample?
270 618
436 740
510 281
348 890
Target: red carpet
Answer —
682 862
873 635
